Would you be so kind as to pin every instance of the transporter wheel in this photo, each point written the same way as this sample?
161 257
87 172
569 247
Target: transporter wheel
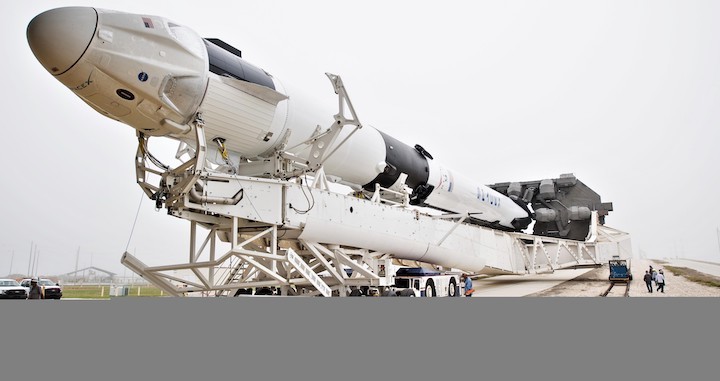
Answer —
365 290
430 289
452 289
243 291
356 292
263 291
386 291
407 292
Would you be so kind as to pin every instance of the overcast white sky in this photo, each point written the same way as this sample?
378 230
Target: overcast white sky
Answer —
623 94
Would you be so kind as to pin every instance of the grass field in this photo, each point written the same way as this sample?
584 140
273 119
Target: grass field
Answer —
695 276
103 292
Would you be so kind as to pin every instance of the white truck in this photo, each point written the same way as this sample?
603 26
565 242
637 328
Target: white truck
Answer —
417 282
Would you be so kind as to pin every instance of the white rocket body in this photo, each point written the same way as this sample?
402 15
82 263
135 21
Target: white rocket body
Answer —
155 76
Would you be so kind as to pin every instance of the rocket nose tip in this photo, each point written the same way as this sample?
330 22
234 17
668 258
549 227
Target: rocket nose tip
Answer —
59 37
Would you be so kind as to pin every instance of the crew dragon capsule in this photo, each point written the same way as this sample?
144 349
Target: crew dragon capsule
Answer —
156 75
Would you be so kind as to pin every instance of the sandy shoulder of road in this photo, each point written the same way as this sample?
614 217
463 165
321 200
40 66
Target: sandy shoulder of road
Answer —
594 282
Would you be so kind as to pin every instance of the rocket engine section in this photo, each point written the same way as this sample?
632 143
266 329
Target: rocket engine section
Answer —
157 76
562 206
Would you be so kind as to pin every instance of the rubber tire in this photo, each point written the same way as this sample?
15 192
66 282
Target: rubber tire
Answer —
365 290
407 292
452 289
356 292
430 284
264 291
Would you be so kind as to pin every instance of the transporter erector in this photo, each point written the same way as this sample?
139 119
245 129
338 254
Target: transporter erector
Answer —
239 121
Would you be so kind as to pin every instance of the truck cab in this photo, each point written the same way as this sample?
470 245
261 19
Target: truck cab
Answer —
422 282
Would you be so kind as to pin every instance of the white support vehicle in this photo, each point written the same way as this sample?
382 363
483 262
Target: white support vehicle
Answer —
419 281
414 282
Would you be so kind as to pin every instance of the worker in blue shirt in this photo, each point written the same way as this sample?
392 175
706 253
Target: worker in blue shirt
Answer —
468 285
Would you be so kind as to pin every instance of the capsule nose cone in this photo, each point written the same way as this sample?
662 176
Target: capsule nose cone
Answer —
59 37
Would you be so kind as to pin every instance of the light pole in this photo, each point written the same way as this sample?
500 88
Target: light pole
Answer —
30 259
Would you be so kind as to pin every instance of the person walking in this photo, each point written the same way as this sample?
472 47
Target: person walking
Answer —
660 281
648 281
35 290
653 273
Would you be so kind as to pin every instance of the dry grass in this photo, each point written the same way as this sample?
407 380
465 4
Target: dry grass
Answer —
103 291
695 276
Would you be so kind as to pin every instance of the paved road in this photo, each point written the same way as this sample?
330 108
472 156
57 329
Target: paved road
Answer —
521 285
704 267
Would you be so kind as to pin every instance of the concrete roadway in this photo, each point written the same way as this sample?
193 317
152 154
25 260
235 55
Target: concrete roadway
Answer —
702 266
522 285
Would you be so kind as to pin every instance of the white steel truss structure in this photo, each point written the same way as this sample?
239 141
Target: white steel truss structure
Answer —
274 247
